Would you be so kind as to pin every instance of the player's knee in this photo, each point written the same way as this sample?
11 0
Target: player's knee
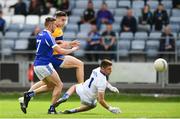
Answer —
93 106
60 84
81 64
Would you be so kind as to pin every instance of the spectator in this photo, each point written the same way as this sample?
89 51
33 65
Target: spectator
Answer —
88 15
32 41
160 17
37 7
19 8
93 43
167 42
147 16
176 4
129 23
57 3
104 16
2 23
65 6
108 42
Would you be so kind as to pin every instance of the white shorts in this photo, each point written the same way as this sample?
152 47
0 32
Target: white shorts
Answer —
43 71
83 97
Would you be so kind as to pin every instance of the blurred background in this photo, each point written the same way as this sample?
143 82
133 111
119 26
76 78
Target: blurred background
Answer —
132 33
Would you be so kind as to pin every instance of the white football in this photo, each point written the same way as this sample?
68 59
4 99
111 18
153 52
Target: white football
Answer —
160 65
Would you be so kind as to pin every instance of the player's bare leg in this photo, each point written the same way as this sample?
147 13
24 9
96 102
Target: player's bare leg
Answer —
72 62
65 97
37 85
54 79
82 108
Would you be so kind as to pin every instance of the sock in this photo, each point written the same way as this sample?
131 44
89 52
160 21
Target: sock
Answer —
65 96
52 108
31 94
73 110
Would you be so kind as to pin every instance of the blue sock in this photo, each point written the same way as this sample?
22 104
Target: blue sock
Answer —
73 110
52 108
65 96
31 94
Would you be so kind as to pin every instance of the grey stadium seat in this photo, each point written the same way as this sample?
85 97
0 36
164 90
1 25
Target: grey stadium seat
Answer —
82 35
97 4
24 35
123 48
141 36
152 47
175 12
21 44
153 4
175 20
178 47
85 27
120 12
74 19
14 27
11 35
155 36
72 27
69 36
167 4
139 4
77 11
28 28
126 36
138 45
81 3
112 4
124 3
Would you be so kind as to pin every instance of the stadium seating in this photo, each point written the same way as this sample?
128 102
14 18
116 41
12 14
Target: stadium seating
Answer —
19 27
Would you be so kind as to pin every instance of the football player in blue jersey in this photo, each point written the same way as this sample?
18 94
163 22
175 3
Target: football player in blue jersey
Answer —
43 67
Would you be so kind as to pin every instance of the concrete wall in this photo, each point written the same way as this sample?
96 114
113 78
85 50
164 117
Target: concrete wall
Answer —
133 73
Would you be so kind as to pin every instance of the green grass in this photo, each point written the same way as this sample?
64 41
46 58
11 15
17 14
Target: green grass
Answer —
131 105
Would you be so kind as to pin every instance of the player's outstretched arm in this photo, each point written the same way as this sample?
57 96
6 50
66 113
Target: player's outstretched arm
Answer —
102 101
63 51
112 88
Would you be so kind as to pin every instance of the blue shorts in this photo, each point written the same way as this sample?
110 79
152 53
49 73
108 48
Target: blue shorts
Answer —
57 60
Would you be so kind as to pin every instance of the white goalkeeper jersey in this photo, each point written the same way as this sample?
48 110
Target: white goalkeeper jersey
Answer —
96 83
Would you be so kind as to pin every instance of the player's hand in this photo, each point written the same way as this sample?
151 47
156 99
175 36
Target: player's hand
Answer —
114 89
114 110
75 48
75 43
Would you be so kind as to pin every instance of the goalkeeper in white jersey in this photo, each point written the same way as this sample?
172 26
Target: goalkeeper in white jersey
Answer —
92 90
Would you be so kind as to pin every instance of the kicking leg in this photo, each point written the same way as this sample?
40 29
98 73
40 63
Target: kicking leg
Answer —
37 85
72 62
65 97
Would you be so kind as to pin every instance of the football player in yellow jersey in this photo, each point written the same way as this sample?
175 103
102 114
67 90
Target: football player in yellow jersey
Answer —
68 61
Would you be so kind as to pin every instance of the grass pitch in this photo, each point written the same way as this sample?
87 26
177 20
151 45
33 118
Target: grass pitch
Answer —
132 106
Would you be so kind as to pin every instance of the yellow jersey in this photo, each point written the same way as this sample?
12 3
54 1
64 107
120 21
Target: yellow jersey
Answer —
58 35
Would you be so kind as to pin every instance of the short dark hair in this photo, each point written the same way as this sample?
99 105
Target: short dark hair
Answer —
49 20
105 63
60 14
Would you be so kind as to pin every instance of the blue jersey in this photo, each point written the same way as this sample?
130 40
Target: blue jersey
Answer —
44 44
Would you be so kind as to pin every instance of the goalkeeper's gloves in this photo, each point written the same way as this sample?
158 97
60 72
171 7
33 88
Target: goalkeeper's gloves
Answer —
114 110
114 89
